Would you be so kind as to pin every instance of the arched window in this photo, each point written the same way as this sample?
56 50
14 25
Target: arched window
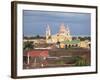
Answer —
76 45
66 46
69 46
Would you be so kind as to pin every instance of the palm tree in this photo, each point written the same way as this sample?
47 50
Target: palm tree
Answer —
27 47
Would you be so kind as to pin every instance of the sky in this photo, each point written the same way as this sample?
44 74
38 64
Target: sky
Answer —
35 22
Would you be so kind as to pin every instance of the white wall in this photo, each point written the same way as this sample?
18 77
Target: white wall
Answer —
5 40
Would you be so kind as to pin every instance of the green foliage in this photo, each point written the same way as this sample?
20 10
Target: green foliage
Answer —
37 36
84 38
79 61
28 46
60 62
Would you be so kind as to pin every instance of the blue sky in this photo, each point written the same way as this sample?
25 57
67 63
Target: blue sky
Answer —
35 22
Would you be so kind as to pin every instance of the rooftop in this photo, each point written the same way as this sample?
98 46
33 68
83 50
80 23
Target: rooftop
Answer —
71 42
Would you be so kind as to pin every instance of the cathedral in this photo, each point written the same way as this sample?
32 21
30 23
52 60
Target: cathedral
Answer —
62 35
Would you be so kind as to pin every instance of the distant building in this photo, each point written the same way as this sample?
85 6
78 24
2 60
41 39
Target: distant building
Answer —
64 38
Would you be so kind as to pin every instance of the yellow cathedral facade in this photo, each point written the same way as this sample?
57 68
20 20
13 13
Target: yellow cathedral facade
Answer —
62 35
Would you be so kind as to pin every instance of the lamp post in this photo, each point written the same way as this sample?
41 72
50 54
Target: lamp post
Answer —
28 56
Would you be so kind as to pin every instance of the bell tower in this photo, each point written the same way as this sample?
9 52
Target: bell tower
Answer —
48 34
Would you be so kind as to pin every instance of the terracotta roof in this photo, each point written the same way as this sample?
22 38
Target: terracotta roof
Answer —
43 53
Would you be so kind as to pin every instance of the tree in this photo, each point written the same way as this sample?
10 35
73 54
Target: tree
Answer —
28 45
74 38
79 61
84 38
37 36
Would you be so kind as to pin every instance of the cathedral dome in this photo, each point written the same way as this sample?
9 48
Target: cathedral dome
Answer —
63 30
62 35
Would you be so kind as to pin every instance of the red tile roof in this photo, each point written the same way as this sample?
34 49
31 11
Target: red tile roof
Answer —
43 53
